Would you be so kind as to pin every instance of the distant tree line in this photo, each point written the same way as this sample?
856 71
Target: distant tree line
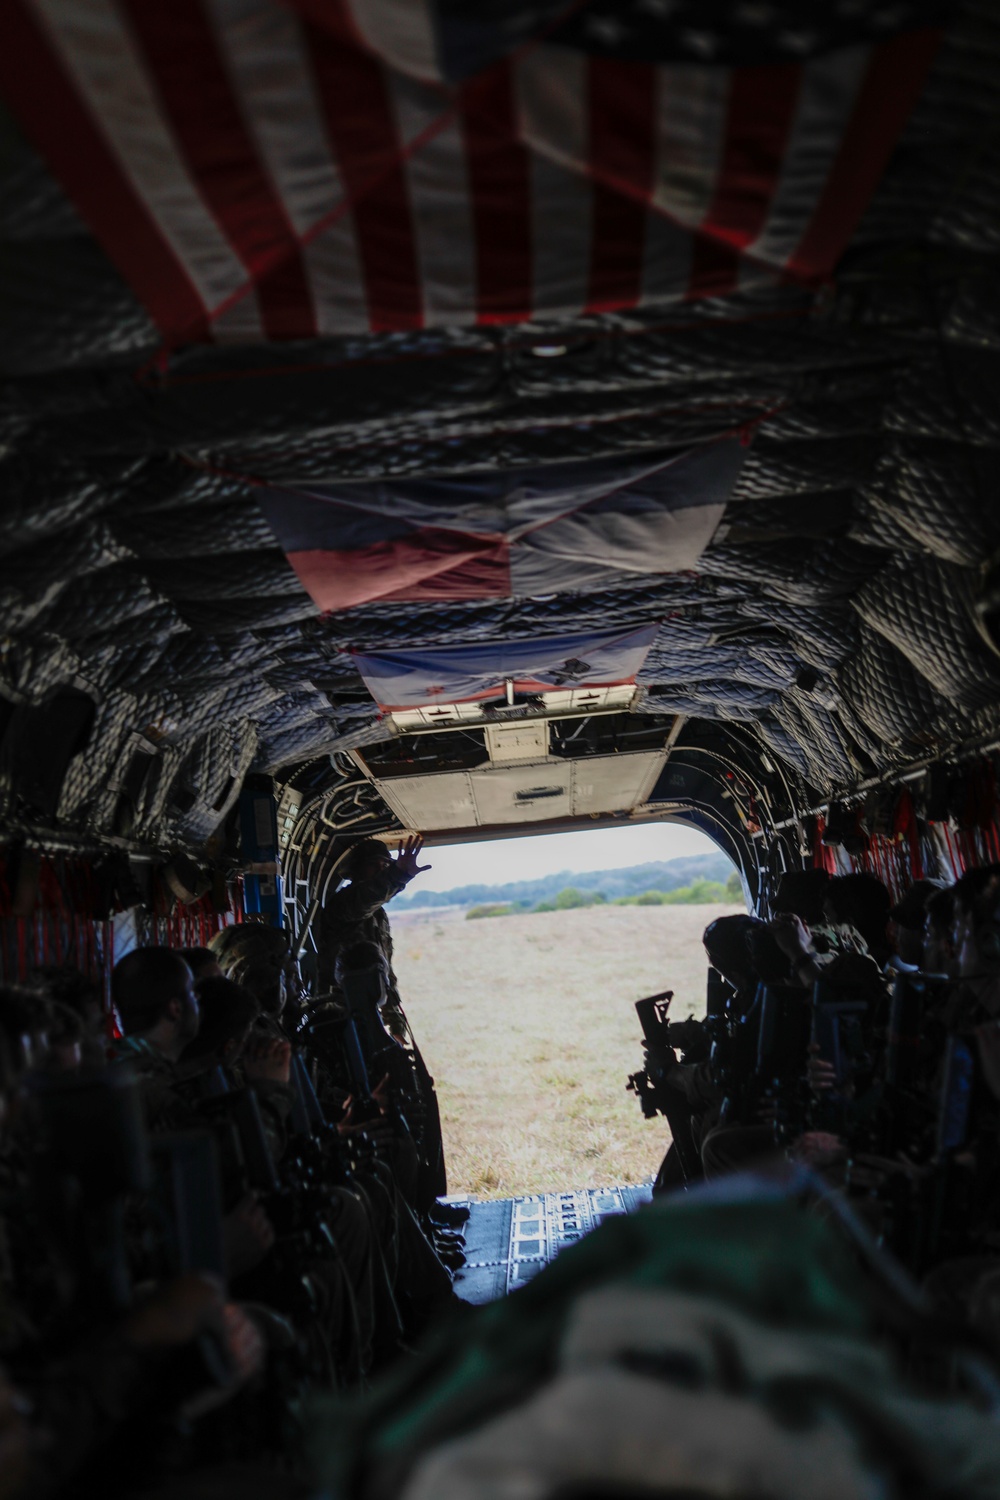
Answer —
635 880
700 892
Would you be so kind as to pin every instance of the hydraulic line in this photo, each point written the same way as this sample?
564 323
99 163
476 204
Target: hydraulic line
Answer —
733 766
736 837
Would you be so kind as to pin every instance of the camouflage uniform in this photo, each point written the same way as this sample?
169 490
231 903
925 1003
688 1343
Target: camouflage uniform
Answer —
164 1106
83 1381
356 914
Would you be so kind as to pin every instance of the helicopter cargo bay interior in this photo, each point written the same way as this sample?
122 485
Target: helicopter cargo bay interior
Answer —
436 424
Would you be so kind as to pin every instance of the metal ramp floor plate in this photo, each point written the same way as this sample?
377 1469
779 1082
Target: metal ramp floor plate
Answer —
509 1240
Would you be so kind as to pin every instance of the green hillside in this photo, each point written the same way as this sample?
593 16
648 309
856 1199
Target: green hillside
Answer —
636 880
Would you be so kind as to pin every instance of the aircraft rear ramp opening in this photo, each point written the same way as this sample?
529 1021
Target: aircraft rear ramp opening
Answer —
509 1240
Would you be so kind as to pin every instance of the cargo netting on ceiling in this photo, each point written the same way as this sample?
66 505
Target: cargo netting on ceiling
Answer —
833 612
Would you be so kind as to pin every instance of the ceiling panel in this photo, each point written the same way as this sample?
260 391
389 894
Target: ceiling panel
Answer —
523 793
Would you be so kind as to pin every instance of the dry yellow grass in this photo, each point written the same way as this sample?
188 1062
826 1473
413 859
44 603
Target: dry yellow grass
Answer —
527 1025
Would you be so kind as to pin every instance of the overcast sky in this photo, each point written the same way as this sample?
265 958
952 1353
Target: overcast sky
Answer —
497 862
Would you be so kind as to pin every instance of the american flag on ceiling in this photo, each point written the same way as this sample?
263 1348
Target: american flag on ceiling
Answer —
321 167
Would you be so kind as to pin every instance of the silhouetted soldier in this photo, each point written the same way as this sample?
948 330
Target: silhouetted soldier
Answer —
355 917
356 914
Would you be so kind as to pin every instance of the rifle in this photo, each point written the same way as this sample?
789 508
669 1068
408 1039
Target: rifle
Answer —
187 1194
94 1156
911 1059
782 1052
412 1103
369 1049
783 1034
247 1162
828 1018
717 994
656 1095
301 1121
305 1092
904 1033
735 1041
97 1157
938 1210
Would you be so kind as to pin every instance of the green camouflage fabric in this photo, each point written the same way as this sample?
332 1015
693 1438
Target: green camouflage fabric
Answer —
785 1293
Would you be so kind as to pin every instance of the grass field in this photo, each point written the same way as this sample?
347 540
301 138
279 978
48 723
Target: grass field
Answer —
527 1025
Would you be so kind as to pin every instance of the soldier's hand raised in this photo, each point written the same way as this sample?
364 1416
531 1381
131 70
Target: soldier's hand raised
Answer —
406 858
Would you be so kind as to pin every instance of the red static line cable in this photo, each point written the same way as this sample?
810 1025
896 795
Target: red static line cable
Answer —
875 859
905 873
970 853
912 835
990 841
880 861
890 867
895 865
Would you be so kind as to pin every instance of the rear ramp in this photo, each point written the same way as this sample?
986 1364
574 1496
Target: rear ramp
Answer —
509 1240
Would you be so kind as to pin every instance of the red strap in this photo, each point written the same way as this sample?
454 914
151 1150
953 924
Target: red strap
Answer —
892 85
499 171
622 114
42 95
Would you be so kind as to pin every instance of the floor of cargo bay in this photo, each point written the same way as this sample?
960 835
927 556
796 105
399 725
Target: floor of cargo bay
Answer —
509 1240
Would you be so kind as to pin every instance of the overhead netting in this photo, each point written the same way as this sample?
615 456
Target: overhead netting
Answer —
833 611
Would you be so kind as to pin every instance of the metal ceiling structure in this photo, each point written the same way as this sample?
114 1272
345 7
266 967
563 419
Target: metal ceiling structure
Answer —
828 640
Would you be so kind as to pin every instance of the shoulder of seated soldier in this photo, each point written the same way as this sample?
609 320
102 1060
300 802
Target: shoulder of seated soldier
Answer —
143 1056
834 937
